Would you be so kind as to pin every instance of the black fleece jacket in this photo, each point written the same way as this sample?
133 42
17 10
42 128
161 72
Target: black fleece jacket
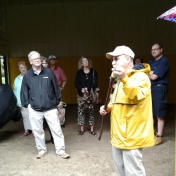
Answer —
40 91
89 80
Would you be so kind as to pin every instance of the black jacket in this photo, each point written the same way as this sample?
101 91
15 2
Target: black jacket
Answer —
40 91
88 80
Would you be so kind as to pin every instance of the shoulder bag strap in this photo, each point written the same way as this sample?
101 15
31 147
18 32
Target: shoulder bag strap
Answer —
93 77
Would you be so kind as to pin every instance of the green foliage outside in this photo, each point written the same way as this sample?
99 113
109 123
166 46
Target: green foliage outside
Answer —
3 80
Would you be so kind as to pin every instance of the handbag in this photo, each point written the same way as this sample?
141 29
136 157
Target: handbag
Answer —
95 93
85 102
61 113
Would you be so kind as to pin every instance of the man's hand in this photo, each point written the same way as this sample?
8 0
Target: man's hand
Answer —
114 85
152 76
59 105
119 71
61 88
102 111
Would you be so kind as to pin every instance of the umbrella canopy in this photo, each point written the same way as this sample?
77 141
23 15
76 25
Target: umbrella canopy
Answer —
169 15
7 104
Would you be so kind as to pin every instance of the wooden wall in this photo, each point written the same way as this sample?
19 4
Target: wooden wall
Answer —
87 28
74 28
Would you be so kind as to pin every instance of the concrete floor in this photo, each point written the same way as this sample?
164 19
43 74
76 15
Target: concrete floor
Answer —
89 157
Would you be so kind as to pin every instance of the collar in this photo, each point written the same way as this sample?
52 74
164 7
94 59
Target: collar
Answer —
36 72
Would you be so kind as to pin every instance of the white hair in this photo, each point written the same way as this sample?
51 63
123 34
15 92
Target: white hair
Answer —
31 53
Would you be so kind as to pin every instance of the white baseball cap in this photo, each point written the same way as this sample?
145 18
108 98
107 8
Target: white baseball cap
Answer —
119 50
52 57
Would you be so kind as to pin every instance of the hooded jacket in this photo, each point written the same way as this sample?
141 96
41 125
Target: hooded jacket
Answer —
131 111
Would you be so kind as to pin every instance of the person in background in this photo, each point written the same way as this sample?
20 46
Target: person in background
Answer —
40 93
45 61
59 73
24 111
159 77
138 60
131 113
86 79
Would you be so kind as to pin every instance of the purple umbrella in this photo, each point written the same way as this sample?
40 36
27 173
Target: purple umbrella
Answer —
169 15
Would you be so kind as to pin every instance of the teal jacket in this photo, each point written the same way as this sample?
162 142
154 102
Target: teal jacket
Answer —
17 88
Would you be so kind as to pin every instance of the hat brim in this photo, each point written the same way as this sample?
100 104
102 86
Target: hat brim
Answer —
110 55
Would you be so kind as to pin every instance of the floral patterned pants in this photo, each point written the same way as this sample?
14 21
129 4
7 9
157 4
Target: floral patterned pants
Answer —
84 105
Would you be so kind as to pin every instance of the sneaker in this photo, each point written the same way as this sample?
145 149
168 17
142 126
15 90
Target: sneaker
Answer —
64 155
40 155
158 140
81 133
93 133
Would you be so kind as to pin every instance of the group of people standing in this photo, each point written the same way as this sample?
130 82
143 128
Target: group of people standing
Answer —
38 91
139 94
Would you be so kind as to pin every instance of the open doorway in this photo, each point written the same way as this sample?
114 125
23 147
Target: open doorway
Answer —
3 70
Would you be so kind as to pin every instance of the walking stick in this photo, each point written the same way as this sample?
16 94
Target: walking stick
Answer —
112 78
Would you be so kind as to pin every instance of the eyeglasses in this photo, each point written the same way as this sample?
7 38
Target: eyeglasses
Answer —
155 49
116 58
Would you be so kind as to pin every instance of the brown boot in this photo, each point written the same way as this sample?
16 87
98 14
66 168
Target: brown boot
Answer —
158 140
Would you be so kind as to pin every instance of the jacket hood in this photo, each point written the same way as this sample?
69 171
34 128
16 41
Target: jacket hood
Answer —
143 67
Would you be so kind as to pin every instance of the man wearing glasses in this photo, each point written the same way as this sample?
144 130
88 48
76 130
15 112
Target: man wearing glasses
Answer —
159 77
131 113
40 93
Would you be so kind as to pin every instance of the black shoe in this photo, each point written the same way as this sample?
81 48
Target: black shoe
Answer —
81 133
93 133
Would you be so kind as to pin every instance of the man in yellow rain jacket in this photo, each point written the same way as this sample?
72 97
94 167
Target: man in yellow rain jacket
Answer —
131 113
